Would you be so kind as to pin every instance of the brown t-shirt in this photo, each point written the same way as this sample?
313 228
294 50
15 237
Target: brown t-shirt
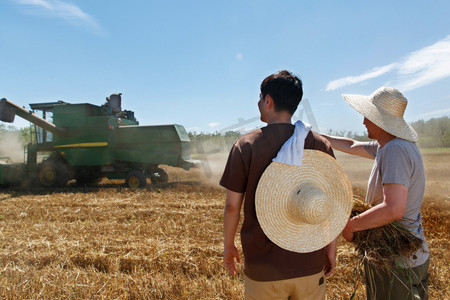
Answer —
249 157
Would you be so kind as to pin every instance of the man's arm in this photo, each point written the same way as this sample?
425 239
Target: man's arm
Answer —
231 218
348 145
391 209
330 258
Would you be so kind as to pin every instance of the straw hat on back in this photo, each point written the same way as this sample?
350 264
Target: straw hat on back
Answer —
302 208
385 108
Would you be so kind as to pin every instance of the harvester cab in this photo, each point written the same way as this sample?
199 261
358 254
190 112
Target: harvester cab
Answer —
45 111
86 142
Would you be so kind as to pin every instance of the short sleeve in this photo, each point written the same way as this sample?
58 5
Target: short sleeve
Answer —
371 148
395 165
235 176
317 142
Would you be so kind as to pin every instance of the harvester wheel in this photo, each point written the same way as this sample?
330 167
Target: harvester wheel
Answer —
50 174
159 176
136 179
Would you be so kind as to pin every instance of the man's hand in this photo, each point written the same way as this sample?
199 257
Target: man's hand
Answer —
229 255
330 265
230 223
348 233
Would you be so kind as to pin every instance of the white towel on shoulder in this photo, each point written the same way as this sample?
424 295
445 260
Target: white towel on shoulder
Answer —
292 150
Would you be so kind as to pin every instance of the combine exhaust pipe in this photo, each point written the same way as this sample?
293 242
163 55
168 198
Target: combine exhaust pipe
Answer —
8 110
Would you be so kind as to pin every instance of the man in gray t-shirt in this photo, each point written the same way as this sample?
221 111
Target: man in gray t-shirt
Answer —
395 189
400 162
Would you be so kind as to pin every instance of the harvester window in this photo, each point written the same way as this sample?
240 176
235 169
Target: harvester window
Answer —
42 135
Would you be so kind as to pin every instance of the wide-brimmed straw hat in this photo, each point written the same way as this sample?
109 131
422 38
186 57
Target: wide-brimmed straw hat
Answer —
385 108
304 208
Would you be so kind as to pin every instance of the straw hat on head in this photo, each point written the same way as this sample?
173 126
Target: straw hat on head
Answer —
385 108
304 208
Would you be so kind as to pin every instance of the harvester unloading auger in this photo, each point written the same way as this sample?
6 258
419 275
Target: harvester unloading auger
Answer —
86 142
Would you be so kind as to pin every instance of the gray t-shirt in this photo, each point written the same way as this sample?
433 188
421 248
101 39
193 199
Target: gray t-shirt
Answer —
399 161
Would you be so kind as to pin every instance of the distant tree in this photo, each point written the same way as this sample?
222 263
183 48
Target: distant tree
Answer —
205 142
25 134
433 133
349 134
12 143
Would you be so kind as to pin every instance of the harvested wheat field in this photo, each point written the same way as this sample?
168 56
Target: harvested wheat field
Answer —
160 242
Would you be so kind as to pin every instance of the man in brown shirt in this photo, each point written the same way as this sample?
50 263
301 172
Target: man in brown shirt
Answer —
270 271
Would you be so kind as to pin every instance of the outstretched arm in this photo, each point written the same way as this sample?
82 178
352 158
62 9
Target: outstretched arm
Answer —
230 224
348 145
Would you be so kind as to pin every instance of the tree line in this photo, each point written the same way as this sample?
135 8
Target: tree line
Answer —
9 130
433 133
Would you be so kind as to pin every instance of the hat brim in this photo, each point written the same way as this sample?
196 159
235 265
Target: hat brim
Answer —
396 126
272 202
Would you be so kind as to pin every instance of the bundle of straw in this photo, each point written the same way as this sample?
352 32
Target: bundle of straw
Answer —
382 246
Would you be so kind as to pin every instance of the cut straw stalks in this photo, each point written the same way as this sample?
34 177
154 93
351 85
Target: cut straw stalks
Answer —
384 246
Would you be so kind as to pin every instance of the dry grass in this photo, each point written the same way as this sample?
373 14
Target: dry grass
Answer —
383 246
161 242
436 213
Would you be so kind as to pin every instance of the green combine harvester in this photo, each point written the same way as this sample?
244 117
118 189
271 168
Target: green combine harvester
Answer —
86 142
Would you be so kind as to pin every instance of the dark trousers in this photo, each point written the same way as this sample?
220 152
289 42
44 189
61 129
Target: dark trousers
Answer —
397 283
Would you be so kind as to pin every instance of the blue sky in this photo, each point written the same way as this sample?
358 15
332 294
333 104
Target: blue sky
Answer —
200 63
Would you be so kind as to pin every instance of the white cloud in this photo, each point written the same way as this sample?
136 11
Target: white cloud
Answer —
436 112
417 69
425 66
63 10
335 84
213 124
239 56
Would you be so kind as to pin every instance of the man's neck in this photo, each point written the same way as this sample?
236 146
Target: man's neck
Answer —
280 117
385 138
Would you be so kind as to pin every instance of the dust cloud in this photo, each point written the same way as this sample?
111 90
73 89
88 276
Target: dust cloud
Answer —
216 164
213 152
11 147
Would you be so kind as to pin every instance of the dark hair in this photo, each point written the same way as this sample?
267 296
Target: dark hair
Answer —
285 89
